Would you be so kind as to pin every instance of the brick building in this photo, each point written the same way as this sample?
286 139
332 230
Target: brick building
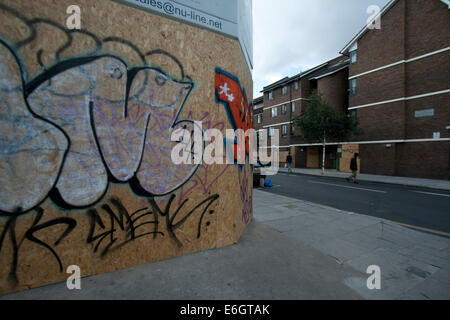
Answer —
399 90
395 80
258 111
285 100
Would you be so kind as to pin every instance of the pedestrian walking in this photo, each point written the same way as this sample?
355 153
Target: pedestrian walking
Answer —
354 168
289 162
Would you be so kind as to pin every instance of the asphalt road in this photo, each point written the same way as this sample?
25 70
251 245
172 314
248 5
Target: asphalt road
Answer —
419 208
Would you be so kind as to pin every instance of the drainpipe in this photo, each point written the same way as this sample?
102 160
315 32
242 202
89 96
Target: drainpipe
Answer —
405 85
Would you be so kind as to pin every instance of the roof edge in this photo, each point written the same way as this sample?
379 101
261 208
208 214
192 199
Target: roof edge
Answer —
366 27
330 73
287 80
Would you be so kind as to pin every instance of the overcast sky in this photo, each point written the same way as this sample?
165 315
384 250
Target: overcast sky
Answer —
291 36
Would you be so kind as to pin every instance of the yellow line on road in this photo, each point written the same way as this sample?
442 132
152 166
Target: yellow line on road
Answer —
442 233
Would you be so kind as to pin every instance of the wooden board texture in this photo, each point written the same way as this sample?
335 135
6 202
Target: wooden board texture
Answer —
86 119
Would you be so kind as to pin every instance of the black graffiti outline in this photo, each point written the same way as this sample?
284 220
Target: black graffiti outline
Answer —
125 222
62 65
170 225
19 211
46 73
10 226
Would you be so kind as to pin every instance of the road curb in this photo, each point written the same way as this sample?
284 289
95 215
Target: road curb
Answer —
368 180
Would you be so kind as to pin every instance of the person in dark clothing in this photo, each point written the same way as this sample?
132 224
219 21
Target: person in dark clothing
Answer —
354 168
289 162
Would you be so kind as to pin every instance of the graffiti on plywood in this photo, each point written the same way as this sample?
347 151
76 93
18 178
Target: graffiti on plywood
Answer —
84 122
72 124
232 96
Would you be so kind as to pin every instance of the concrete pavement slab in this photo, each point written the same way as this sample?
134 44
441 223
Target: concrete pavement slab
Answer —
428 289
399 274
442 276
289 224
264 264
365 238
406 257
341 249
426 255
307 236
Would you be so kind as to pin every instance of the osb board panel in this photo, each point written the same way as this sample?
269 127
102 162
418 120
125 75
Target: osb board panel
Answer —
348 151
86 115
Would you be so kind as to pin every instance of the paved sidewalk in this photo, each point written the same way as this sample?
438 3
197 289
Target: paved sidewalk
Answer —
414 182
414 265
292 250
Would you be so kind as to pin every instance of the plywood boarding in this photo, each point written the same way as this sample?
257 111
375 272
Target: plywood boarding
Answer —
86 175
312 157
348 151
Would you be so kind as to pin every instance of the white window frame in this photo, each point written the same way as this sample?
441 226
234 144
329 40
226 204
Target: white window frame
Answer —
353 56
284 130
274 112
352 89
284 109
270 95
284 90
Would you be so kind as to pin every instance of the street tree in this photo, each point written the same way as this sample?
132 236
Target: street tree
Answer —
323 123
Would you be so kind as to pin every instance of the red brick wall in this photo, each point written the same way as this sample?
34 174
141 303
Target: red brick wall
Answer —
379 86
279 98
377 48
300 157
267 116
409 29
420 160
429 74
427 27
296 93
420 128
382 122
334 89
423 160
377 159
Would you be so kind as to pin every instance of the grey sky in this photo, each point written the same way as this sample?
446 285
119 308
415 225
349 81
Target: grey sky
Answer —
291 36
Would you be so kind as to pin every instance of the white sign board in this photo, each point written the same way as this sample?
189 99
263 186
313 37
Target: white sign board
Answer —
231 17
424 113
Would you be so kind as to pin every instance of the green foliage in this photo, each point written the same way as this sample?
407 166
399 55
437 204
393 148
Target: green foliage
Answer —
321 121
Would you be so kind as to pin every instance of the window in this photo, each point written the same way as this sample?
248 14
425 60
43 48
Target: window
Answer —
292 107
292 129
274 112
296 85
259 118
352 86
284 130
353 56
271 132
271 95
353 114
284 90
283 109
